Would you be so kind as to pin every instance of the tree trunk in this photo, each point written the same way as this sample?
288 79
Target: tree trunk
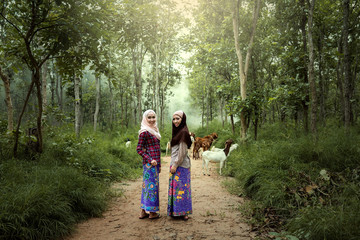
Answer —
232 123
311 69
21 115
138 58
222 112
207 102
304 71
339 83
44 84
58 91
322 92
122 104
77 82
97 103
157 84
202 111
111 104
256 123
39 93
9 105
355 107
52 89
347 63
135 72
243 68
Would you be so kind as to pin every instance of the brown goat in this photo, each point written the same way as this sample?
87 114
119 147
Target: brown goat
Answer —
204 143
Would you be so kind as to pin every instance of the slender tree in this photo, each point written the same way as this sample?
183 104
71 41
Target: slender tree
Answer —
244 66
97 103
9 105
347 64
312 82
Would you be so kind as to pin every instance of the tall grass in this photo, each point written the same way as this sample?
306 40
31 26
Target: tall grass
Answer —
310 186
43 202
43 196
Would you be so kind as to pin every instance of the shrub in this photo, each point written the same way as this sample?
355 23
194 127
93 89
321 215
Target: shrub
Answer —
42 197
286 175
44 202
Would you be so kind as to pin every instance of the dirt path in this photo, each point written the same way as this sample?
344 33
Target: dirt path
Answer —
214 215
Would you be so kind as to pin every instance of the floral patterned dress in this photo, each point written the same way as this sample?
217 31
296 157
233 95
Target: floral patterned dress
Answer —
179 199
179 195
149 148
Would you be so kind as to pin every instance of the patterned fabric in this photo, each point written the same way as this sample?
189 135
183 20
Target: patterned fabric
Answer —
151 145
179 201
150 188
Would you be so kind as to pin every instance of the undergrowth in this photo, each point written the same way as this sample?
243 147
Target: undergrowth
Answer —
44 195
306 187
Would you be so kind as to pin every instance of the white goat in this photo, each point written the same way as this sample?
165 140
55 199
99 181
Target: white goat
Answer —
217 156
128 144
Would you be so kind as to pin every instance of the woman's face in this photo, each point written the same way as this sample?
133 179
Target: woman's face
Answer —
151 118
176 120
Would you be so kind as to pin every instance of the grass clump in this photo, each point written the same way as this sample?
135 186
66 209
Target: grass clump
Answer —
307 187
44 195
44 202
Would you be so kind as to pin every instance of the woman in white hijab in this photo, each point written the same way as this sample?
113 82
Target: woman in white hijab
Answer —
149 148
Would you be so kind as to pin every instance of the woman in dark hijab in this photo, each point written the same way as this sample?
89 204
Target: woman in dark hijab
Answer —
179 200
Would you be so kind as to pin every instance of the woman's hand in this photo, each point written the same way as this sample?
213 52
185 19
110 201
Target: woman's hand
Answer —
153 163
173 169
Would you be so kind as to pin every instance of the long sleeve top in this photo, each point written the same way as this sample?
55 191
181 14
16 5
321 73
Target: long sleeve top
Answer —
179 156
149 148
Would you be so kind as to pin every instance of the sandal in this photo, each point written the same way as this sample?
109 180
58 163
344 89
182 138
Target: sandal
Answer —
186 217
157 216
144 215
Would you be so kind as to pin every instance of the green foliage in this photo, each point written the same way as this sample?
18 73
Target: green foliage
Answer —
307 186
40 201
5 141
330 221
43 197
96 155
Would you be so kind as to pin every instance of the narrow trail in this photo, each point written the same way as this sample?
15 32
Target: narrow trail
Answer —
214 213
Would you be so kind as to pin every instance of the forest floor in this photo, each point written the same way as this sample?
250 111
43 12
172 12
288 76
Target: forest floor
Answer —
215 214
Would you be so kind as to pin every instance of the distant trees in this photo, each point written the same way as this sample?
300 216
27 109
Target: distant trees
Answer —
105 62
299 66
60 42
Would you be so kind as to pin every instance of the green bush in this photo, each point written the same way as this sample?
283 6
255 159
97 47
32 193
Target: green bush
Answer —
285 174
44 195
44 202
331 222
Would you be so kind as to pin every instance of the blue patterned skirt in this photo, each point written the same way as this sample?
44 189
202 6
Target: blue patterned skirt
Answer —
150 188
179 200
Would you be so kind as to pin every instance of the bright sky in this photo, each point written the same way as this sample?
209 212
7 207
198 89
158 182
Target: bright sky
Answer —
180 100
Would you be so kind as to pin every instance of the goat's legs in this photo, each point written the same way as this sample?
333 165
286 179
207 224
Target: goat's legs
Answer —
207 167
221 165
203 165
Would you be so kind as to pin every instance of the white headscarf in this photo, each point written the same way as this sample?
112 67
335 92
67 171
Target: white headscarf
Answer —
180 113
145 126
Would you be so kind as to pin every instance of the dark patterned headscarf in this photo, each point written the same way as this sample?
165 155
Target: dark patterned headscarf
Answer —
180 133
